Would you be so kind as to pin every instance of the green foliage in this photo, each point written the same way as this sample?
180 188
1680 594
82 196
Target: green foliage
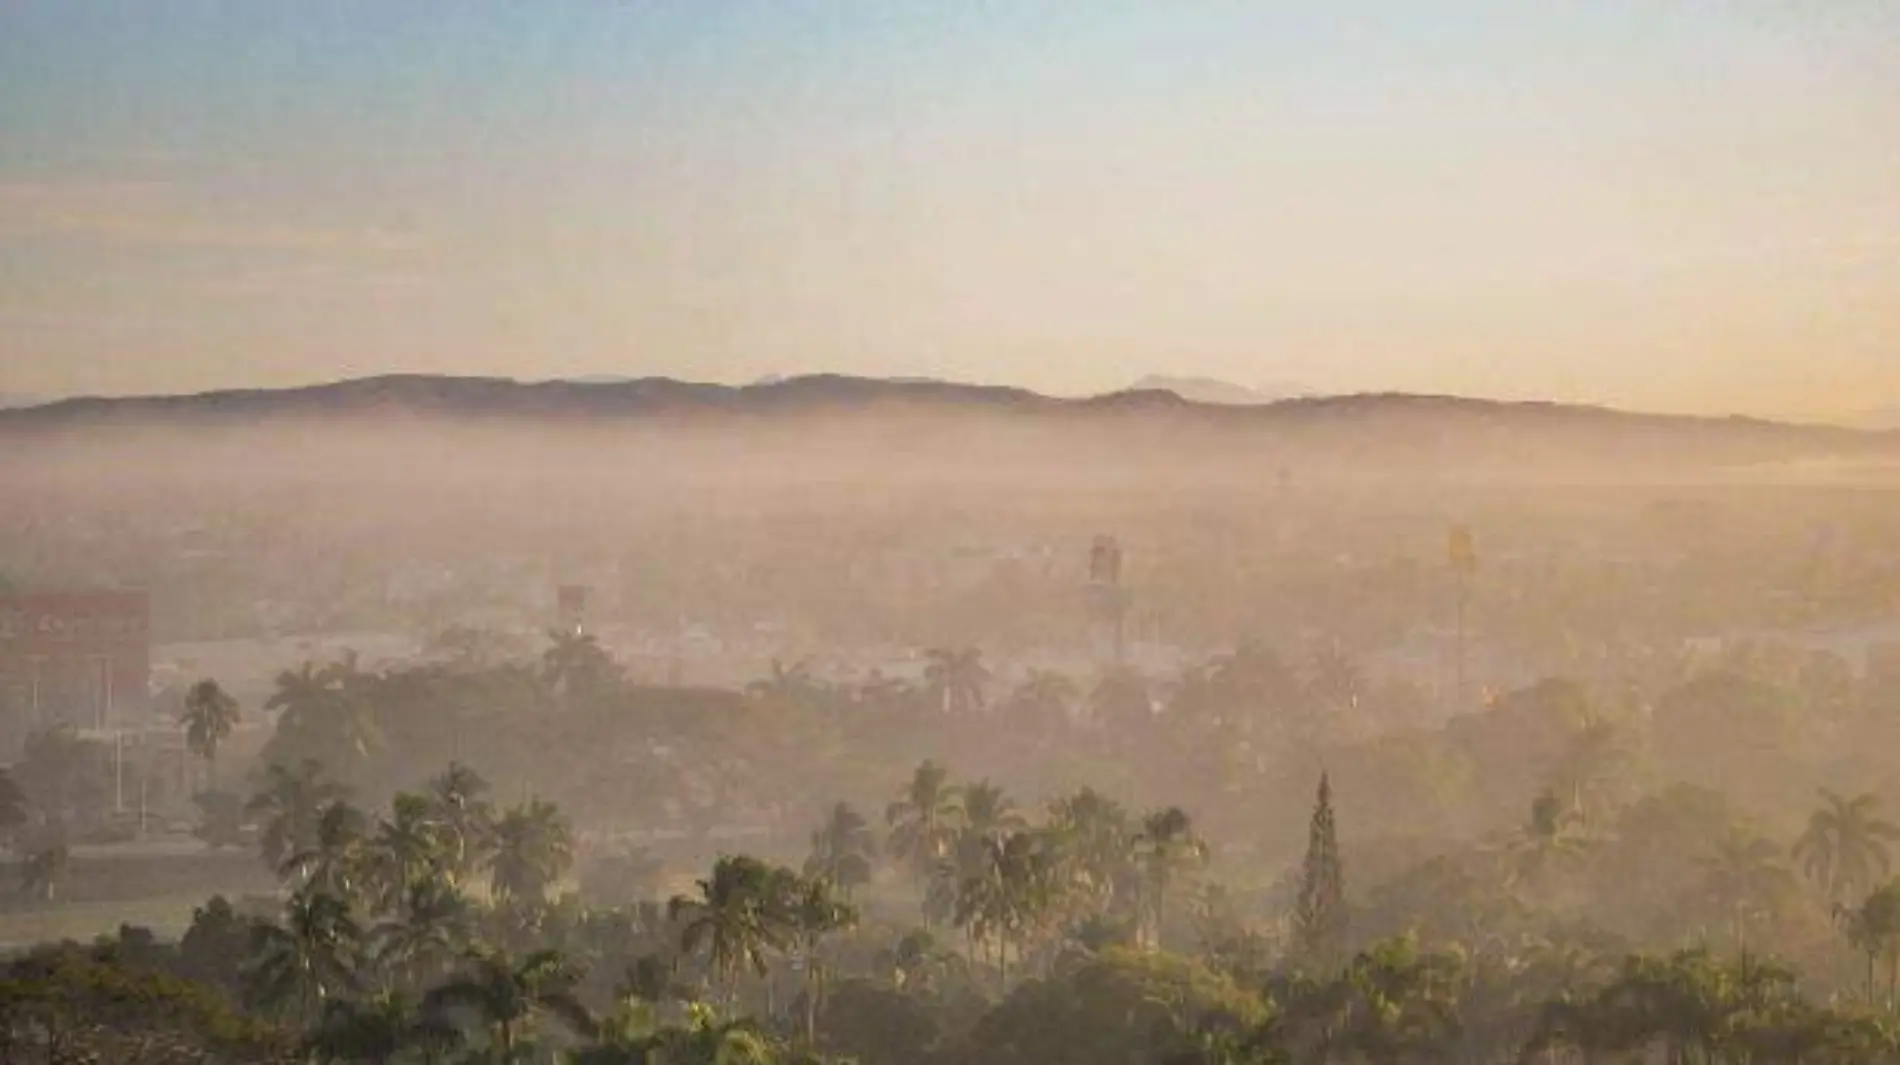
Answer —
1122 1008
70 1007
533 850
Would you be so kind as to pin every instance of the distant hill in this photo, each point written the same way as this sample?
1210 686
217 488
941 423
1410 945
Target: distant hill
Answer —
1214 391
1149 425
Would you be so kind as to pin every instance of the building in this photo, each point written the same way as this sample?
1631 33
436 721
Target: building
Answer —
73 658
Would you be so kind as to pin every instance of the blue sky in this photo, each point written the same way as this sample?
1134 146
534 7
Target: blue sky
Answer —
1692 205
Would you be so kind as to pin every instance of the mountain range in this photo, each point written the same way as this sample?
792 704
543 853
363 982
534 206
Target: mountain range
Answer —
1366 427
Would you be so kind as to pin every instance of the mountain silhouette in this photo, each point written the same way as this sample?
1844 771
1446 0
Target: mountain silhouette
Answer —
1374 427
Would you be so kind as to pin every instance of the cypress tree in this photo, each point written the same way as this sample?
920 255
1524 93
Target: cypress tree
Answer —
1319 917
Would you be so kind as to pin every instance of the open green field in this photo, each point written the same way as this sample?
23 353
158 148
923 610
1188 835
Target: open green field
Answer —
136 884
167 916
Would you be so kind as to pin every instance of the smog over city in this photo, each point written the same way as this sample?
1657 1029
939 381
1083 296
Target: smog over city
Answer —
927 534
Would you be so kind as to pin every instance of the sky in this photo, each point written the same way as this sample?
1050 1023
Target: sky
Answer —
1663 205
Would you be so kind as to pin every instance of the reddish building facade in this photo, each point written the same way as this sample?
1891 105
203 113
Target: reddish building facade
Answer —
78 658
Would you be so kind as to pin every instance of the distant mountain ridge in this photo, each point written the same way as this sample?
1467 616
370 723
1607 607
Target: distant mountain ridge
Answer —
1365 426
1214 390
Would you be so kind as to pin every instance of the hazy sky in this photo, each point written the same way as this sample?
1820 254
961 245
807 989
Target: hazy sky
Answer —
1660 204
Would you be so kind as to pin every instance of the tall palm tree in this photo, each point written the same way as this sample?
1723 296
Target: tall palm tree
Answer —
309 959
432 927
817 913
290 804
842 851
924 820
1844 849
533 850
1166 848
988 812
735 917
408 848
576 666
1007 893
210 716
337 861
1095 842
466 819
508 998
324 714
957 680
1743 878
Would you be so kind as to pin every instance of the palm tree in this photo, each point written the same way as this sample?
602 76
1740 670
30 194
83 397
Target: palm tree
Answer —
291 803
210 715
1165 848
792 686
735 917
1095 842
1009 888
816 914
988 812
507 998
1743 878
957 679
337 860
842 850
533 850
1844 849
466 820
1873 928
309 959
407 849
324 714
433 926
923 821
576 666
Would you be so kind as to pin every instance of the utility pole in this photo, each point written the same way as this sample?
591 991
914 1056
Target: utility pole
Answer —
1462 553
